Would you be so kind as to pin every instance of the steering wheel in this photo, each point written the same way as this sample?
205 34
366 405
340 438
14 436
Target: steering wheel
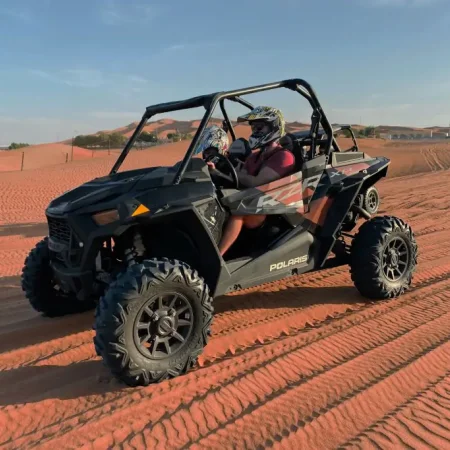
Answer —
218 159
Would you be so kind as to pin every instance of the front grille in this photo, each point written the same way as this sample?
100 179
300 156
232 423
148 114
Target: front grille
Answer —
59 229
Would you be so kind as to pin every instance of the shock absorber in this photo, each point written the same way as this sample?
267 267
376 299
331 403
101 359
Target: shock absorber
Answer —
136 251
130 256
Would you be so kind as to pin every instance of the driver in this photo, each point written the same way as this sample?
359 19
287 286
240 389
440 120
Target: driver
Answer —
214 141
270 163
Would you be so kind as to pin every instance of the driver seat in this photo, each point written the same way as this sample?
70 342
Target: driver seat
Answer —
291 143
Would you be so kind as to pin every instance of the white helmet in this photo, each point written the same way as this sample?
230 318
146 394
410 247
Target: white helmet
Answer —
215 137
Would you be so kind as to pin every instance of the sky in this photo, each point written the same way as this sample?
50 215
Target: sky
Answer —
69 68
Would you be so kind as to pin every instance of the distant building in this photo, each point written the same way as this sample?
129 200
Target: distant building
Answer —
435 136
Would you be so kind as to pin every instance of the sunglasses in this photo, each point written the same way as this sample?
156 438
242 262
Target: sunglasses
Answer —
258 126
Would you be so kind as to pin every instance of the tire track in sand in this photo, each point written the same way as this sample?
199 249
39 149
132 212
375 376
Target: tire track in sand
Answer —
430 364
430 405
329 386
288 317
159 404
213 365
231 316
432 253
228 320
218 349
432 159
76 403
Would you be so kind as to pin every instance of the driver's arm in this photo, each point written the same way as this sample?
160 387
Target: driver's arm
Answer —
266 175
275 168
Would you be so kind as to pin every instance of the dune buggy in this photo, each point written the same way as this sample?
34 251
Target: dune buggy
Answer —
142 245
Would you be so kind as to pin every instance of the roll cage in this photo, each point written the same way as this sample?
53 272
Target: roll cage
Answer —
210 101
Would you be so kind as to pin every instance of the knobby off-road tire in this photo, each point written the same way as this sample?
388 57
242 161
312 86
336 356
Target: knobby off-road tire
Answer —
371 200
182 302
40 289
383 258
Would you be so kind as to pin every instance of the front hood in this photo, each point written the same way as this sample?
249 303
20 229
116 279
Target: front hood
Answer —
106 188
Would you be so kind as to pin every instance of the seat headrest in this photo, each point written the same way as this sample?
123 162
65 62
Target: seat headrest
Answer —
240 147
293 144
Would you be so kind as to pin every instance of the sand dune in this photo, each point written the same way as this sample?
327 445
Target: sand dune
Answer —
24 195
301 363
408 158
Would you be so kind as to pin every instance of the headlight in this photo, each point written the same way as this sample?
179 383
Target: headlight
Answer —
105 217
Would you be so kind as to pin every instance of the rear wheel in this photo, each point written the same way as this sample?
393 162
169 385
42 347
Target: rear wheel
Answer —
383 257
371 200
153 322
42 291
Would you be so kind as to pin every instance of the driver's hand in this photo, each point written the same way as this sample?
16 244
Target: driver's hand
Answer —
211 164
239 166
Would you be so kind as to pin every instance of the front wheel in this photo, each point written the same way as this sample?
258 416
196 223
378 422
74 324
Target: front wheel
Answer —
153 322
383 257
42 291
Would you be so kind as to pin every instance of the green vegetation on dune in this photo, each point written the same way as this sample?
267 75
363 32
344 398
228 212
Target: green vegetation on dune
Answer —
16 145
101 140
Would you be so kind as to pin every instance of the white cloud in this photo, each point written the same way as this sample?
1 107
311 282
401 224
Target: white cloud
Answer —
34 120
193 45
43 74
72 77
137 79
38 130
92 78
83 77
114 12
7 120
373 115
399 3
176 47
122 115
398 107
17 13
402 114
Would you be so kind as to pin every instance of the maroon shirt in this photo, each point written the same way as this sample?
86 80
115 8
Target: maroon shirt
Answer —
278 159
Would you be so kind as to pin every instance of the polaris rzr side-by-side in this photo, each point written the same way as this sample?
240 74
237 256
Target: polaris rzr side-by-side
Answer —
141 246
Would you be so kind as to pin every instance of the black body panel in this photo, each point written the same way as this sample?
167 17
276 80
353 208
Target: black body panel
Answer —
113 186
293 257
75 239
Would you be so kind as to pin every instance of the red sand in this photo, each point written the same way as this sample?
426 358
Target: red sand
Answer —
44 155
301 363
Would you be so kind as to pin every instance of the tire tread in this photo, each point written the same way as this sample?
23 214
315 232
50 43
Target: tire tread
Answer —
365 268
119 301
35 283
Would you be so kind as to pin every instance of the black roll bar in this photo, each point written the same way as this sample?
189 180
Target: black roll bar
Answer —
210 101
